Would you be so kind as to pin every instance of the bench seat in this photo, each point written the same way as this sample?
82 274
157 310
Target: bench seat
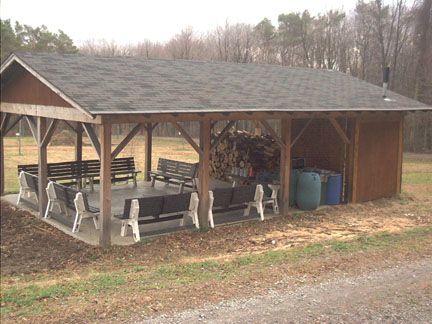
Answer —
147 210
175 172
234 198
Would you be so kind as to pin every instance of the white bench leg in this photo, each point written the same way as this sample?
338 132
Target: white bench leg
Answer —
96 221
49 208
260 210
211 220
275 206
19 196
135 232
153 181
124 228
247 210
77 223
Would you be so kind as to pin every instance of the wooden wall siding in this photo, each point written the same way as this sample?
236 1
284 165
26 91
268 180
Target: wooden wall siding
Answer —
320 144
378 153
27 89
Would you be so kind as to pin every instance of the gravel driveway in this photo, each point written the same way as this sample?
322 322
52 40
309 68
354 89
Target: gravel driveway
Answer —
400 294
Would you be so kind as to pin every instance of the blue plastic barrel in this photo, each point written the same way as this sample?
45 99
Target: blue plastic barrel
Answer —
308 191
293 186
334 189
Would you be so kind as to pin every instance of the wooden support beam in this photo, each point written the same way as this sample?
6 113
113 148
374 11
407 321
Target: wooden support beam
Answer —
354 149
13 123
126 140
2 168
79 147
57 112
148 151
32 125
49 133
154 126
285 165
42 165
339 130
4 122
301 132
400 157
93 137
223 134
68 124
272 132
204 173
105 187
187 137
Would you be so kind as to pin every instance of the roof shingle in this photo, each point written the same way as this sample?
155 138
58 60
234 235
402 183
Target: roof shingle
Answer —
106 85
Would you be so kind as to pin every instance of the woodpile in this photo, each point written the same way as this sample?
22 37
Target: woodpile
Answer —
243 150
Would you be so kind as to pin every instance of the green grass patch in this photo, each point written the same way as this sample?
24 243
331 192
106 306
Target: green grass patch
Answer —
417 178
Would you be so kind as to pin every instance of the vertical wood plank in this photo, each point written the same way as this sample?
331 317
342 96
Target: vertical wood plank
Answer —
400 157
2 173
105 186
354 168
42 164
285 165
204 172
78 149
4 122
148 151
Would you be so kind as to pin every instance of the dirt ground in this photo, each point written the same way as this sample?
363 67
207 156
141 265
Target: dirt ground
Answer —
29 245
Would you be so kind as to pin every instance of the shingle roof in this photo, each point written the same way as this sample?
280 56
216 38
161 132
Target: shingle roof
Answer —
104 85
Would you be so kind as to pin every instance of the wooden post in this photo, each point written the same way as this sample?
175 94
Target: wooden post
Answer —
148 151
2 173
354 146
4 122
285 165
105 186
78 149
204 173
42 164
400 157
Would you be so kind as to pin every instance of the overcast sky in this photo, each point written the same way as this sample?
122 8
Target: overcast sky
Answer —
131 21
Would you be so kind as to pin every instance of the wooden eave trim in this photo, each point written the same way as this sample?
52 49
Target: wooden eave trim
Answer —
61 94
57 112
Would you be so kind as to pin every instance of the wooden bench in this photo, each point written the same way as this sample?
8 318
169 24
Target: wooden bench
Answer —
122 169
156 209
71 172
175 172
29 184
68 173
226 199
67 198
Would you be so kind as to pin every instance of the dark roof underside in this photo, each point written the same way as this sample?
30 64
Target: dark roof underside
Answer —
107 85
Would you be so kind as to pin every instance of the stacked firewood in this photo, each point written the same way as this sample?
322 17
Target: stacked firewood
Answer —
241 149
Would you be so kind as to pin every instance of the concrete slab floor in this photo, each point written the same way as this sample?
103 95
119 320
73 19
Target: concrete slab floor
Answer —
120 192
